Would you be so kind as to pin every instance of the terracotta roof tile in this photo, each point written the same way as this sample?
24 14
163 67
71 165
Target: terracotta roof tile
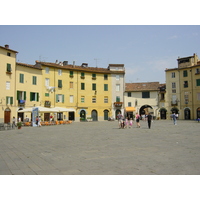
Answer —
80 68
28 65
146 86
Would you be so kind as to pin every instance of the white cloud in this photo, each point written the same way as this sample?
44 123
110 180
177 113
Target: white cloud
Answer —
173 37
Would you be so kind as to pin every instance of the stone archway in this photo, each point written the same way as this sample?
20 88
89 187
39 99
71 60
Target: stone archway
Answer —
94 115
163 113
187 114
144 109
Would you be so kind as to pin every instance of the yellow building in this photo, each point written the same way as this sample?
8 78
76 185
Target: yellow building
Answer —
7 82
84 92
183 88
28 91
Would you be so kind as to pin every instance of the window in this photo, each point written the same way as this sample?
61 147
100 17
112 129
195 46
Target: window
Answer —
59 83
174 99
46 94
34 96
145 95
173 85
82 75
9 100
185 84
117 87
117 98
47 80
93 86
185 74
197 71
94 99
82 86
94 76
105 76
21 95
71 73
105 99
34 80
59 72
71 99
186 97
9 69
7 85
21 78
60 98
105 87
8 54
174 91
117 77
129 104
129 94
82 99
198 82
173 74
47 70
71 85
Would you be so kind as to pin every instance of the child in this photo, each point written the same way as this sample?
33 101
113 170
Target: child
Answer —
126 123
131 123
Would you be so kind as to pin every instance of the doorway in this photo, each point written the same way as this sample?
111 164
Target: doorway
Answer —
7 113
94 115
187 113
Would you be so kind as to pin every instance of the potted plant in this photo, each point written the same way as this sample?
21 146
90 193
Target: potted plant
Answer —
19 125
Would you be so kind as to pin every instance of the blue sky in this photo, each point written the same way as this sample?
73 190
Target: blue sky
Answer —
145 50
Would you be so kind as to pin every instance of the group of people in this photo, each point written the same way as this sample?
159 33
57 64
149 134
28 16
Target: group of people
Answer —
128 123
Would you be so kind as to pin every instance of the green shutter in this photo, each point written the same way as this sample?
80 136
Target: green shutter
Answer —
198 82
37 96
34 80
60 83
24 95
8 67
93 86
71 73
21 78
56 98
105 87
63 98
18 95
11 100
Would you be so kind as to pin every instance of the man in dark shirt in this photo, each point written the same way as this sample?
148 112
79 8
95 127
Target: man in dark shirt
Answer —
149 119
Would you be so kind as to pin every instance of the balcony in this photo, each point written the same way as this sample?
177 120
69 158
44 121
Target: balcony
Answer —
174 103
118 104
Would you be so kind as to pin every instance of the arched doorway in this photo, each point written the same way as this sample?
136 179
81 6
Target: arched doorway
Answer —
106 112
117 112
20 115
7 113
187 113
83 114
163 113
175 110
94 115
144 109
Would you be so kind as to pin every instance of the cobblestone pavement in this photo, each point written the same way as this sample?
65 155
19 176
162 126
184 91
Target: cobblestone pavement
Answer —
101 148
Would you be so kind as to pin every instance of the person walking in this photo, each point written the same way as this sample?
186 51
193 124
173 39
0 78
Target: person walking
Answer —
120 119
174 118
14 122
131 123
137 120
39 122
149 119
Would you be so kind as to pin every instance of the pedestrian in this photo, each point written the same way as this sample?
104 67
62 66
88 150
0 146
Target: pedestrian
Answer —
137 120
174 118
120 117
36 120
131 123
126 122
149 119
14 122
39 122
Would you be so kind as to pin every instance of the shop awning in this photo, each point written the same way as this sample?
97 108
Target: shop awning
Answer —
130 109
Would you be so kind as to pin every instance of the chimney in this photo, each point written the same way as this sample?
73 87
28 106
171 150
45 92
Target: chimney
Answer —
65 63
84 65
73 63
6 46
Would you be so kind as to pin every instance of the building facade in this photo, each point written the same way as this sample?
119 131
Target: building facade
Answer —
183 88
142 98
7 82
